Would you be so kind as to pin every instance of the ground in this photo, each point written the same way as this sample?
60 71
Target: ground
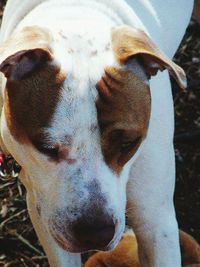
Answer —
18 243
187 134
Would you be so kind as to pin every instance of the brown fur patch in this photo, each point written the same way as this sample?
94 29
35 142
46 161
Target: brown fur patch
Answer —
33 85
190 249
123 109
30 103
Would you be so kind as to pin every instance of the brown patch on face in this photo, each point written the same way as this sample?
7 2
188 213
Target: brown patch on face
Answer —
123 109
30 103
33 87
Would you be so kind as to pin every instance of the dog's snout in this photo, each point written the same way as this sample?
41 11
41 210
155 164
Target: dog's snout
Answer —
96 234
89 226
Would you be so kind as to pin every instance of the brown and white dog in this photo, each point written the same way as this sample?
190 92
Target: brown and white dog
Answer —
92 132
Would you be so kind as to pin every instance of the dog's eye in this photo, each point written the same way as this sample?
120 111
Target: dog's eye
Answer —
124 140
47 149
128 145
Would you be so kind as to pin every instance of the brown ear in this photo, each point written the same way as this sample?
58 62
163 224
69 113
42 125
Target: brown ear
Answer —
25 51
130 42
22 63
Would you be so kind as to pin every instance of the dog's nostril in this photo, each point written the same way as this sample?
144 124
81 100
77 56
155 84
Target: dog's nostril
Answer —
94 235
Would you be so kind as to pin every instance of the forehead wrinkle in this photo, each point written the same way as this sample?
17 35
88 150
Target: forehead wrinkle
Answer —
80 60
76 108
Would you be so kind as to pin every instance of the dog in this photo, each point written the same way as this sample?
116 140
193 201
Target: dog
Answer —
89 117
126 253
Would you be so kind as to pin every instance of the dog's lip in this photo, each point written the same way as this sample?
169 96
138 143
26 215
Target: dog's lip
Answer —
72 249
59 239
64 244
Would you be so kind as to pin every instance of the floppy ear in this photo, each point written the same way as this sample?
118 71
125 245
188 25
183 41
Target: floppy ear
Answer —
22 63
25 51
130 42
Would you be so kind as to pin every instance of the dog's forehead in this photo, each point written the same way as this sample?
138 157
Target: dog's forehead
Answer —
83 55
83 60
75 112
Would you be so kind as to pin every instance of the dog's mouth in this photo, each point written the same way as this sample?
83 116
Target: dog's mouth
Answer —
68 244
63 242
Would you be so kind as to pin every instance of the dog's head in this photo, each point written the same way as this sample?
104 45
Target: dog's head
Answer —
74 115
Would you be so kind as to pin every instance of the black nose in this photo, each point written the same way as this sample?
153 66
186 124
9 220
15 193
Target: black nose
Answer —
94 234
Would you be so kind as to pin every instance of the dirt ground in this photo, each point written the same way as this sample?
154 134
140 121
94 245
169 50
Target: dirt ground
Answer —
187 134
18 243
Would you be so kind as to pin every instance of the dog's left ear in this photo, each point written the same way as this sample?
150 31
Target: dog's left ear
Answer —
25 51
128 42
18 66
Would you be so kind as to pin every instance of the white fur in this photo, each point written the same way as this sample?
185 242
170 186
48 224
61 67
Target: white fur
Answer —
81 31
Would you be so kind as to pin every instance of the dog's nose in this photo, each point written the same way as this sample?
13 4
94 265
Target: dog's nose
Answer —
95 234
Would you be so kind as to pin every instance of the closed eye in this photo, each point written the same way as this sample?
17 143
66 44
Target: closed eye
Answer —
124 140
48 149
128 145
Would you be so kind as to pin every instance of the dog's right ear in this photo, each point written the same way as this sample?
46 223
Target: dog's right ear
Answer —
25 52
23 63
130 42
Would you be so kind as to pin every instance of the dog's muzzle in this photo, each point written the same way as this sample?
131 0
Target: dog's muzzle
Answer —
93 230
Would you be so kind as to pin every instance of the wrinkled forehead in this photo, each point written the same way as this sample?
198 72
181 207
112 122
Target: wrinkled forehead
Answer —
83 60
83 57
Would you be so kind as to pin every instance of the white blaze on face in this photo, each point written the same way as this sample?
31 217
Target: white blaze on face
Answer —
75 116
82 59
75 124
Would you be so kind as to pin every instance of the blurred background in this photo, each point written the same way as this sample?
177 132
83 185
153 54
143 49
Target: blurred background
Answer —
18 243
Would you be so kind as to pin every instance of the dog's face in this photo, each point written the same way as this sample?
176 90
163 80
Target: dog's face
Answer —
73 123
